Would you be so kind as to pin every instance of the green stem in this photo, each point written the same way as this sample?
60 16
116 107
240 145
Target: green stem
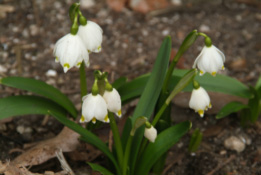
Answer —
188 41
117 139
127 155
169 72
83 81
158 115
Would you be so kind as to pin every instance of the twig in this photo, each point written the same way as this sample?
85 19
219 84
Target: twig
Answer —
232 157
64 164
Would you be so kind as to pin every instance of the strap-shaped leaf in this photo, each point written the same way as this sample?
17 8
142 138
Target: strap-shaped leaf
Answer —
24 105
230 108
164 141
149 96
220 83
100 169
41 88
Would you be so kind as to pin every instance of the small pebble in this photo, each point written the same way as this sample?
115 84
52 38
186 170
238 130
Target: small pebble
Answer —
2 69
204 28
23 130
51 73
234 143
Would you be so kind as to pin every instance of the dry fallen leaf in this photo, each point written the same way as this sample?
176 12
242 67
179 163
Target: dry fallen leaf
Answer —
45 150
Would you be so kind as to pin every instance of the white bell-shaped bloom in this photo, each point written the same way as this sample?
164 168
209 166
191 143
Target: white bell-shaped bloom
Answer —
91 34
210 60
150 134
113 101
199 101
70 51
94 108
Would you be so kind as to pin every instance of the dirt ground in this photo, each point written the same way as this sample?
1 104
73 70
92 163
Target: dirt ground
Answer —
130 44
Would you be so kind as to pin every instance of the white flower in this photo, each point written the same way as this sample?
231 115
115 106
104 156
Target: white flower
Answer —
150 134
210 60
70 51
199 101
91 34
94 108
113 101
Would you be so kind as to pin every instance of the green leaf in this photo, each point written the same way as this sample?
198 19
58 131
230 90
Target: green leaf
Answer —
253 104
163 143
149 96
41 88
258 83
153 87
100 169
87 136
119 82
223 84
230 108
220 83
195 140
133 89
24 105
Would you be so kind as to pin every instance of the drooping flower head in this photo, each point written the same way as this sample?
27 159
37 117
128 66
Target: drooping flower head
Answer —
70 51
199 100
210 59
150 132
113 101
94 108
91 34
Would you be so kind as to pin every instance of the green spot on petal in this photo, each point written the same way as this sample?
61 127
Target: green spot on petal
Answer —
66 65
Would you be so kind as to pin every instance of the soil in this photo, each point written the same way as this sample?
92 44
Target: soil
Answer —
130 45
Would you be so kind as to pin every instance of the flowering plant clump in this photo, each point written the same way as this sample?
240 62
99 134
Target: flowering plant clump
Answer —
148 133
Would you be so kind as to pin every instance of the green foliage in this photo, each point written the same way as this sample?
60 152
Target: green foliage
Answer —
100 169
24 105
149 97
220 83
87 136
195 140
230 108
163 142
43 89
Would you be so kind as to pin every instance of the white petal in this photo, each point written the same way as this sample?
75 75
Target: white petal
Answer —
70 51
91 35
209 60
199 99
150 134
113 101
94 107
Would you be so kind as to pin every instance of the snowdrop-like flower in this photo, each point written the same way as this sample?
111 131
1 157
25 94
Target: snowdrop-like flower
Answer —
94 108
150 133
199 100
210 60
113 101
91 34
70 52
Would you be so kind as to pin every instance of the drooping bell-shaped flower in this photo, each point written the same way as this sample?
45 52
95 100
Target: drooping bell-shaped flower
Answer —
199 100
70 51
210 59
91 34
94 108
113 101
150 133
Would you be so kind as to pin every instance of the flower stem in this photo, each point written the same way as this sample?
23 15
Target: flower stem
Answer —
158 115
117 139
83 82
127 155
